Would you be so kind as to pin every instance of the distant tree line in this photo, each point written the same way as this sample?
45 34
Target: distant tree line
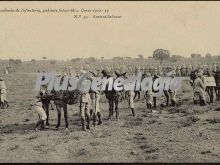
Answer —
15 61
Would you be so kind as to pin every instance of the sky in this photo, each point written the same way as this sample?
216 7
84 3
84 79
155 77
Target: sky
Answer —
181 27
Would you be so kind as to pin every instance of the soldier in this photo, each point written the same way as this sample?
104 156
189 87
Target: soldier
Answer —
187 71
37 105
159 72
145 71
199 90
172 93
182 71
85 102
155 98
148 95
155 71
44 95
164 70
131 101
95 98
151 71
6 70
178 71
217 79
214 67
137 93
3 92
174 67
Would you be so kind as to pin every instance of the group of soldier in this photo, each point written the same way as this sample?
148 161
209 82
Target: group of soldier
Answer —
183 70
89 101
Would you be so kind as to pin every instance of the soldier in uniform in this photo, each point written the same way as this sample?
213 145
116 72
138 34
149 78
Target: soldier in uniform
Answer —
172 93
131 101
85 102
155 98
178 71
187 71
95 98
182 71
199 90
44 96
160 70
148 95
37 106
137 93
150 70
217 79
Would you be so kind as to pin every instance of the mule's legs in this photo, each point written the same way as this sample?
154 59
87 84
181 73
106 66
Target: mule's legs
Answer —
210 93
113 107
6 104
46 108
65 114
137 93
217 92
167 97
58 114
1 105
155 102
110 108
116 108
51 105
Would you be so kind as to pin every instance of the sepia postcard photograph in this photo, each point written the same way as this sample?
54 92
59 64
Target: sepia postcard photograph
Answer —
109 82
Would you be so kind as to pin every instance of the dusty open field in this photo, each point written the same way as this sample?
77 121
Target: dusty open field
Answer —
191 135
